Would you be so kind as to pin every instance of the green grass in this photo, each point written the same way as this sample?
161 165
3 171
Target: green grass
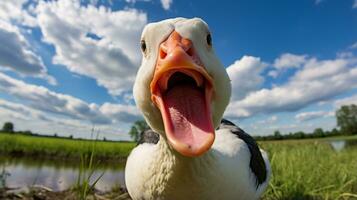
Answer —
60 148
343 137
84 187
311 169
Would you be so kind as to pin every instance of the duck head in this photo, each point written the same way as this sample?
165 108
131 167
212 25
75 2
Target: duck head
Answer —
181 87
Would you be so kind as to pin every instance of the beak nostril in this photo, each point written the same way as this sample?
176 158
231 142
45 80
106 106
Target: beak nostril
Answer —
190 52
163 54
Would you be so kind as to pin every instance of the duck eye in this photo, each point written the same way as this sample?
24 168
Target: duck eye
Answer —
209 39
143 45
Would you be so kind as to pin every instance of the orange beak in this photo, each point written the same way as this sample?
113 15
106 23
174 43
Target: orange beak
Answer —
182 89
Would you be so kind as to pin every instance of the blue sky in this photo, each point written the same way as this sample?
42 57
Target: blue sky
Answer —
69 65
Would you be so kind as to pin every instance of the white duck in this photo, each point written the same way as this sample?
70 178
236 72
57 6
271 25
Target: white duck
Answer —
182 90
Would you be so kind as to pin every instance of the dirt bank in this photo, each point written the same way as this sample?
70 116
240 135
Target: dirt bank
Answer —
43 193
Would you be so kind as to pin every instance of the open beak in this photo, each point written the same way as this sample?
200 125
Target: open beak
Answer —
182 89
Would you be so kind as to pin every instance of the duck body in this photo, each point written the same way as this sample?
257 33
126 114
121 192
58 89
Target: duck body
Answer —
182 90
156 171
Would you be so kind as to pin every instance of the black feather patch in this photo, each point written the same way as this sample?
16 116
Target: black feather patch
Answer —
257 164
149 136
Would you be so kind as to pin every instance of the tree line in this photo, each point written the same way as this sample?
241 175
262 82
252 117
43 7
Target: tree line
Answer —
9 127
346 117
317 133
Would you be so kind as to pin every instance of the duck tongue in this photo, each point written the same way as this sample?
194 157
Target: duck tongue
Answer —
187 119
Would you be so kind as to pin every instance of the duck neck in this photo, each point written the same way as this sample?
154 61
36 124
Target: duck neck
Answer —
169 164
167 157
169 154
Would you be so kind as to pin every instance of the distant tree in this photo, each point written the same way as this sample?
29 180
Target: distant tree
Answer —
319 132
277 135
70 137
136 129
28 132
104 139
299 135
334 131
8 127
346 118
55 135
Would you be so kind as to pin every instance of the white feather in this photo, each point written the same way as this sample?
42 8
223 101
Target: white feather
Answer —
158 171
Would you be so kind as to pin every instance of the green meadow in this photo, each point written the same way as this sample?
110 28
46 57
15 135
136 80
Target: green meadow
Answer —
312 169
62 148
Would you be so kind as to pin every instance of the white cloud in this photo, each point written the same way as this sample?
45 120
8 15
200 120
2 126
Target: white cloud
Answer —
120 113
15 111
273 73
16 55
134 1
346 101
354 45
287 125
15 51
88 40
288 60
318 80
269 120
66 106
354 4
93 2
14 10
26 118
95 42
245 75
344 54
306 116
166 4
20 111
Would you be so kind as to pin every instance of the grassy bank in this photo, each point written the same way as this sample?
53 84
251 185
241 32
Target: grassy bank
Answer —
60 148
311 169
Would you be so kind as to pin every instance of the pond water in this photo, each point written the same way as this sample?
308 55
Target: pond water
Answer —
339 145
57 175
